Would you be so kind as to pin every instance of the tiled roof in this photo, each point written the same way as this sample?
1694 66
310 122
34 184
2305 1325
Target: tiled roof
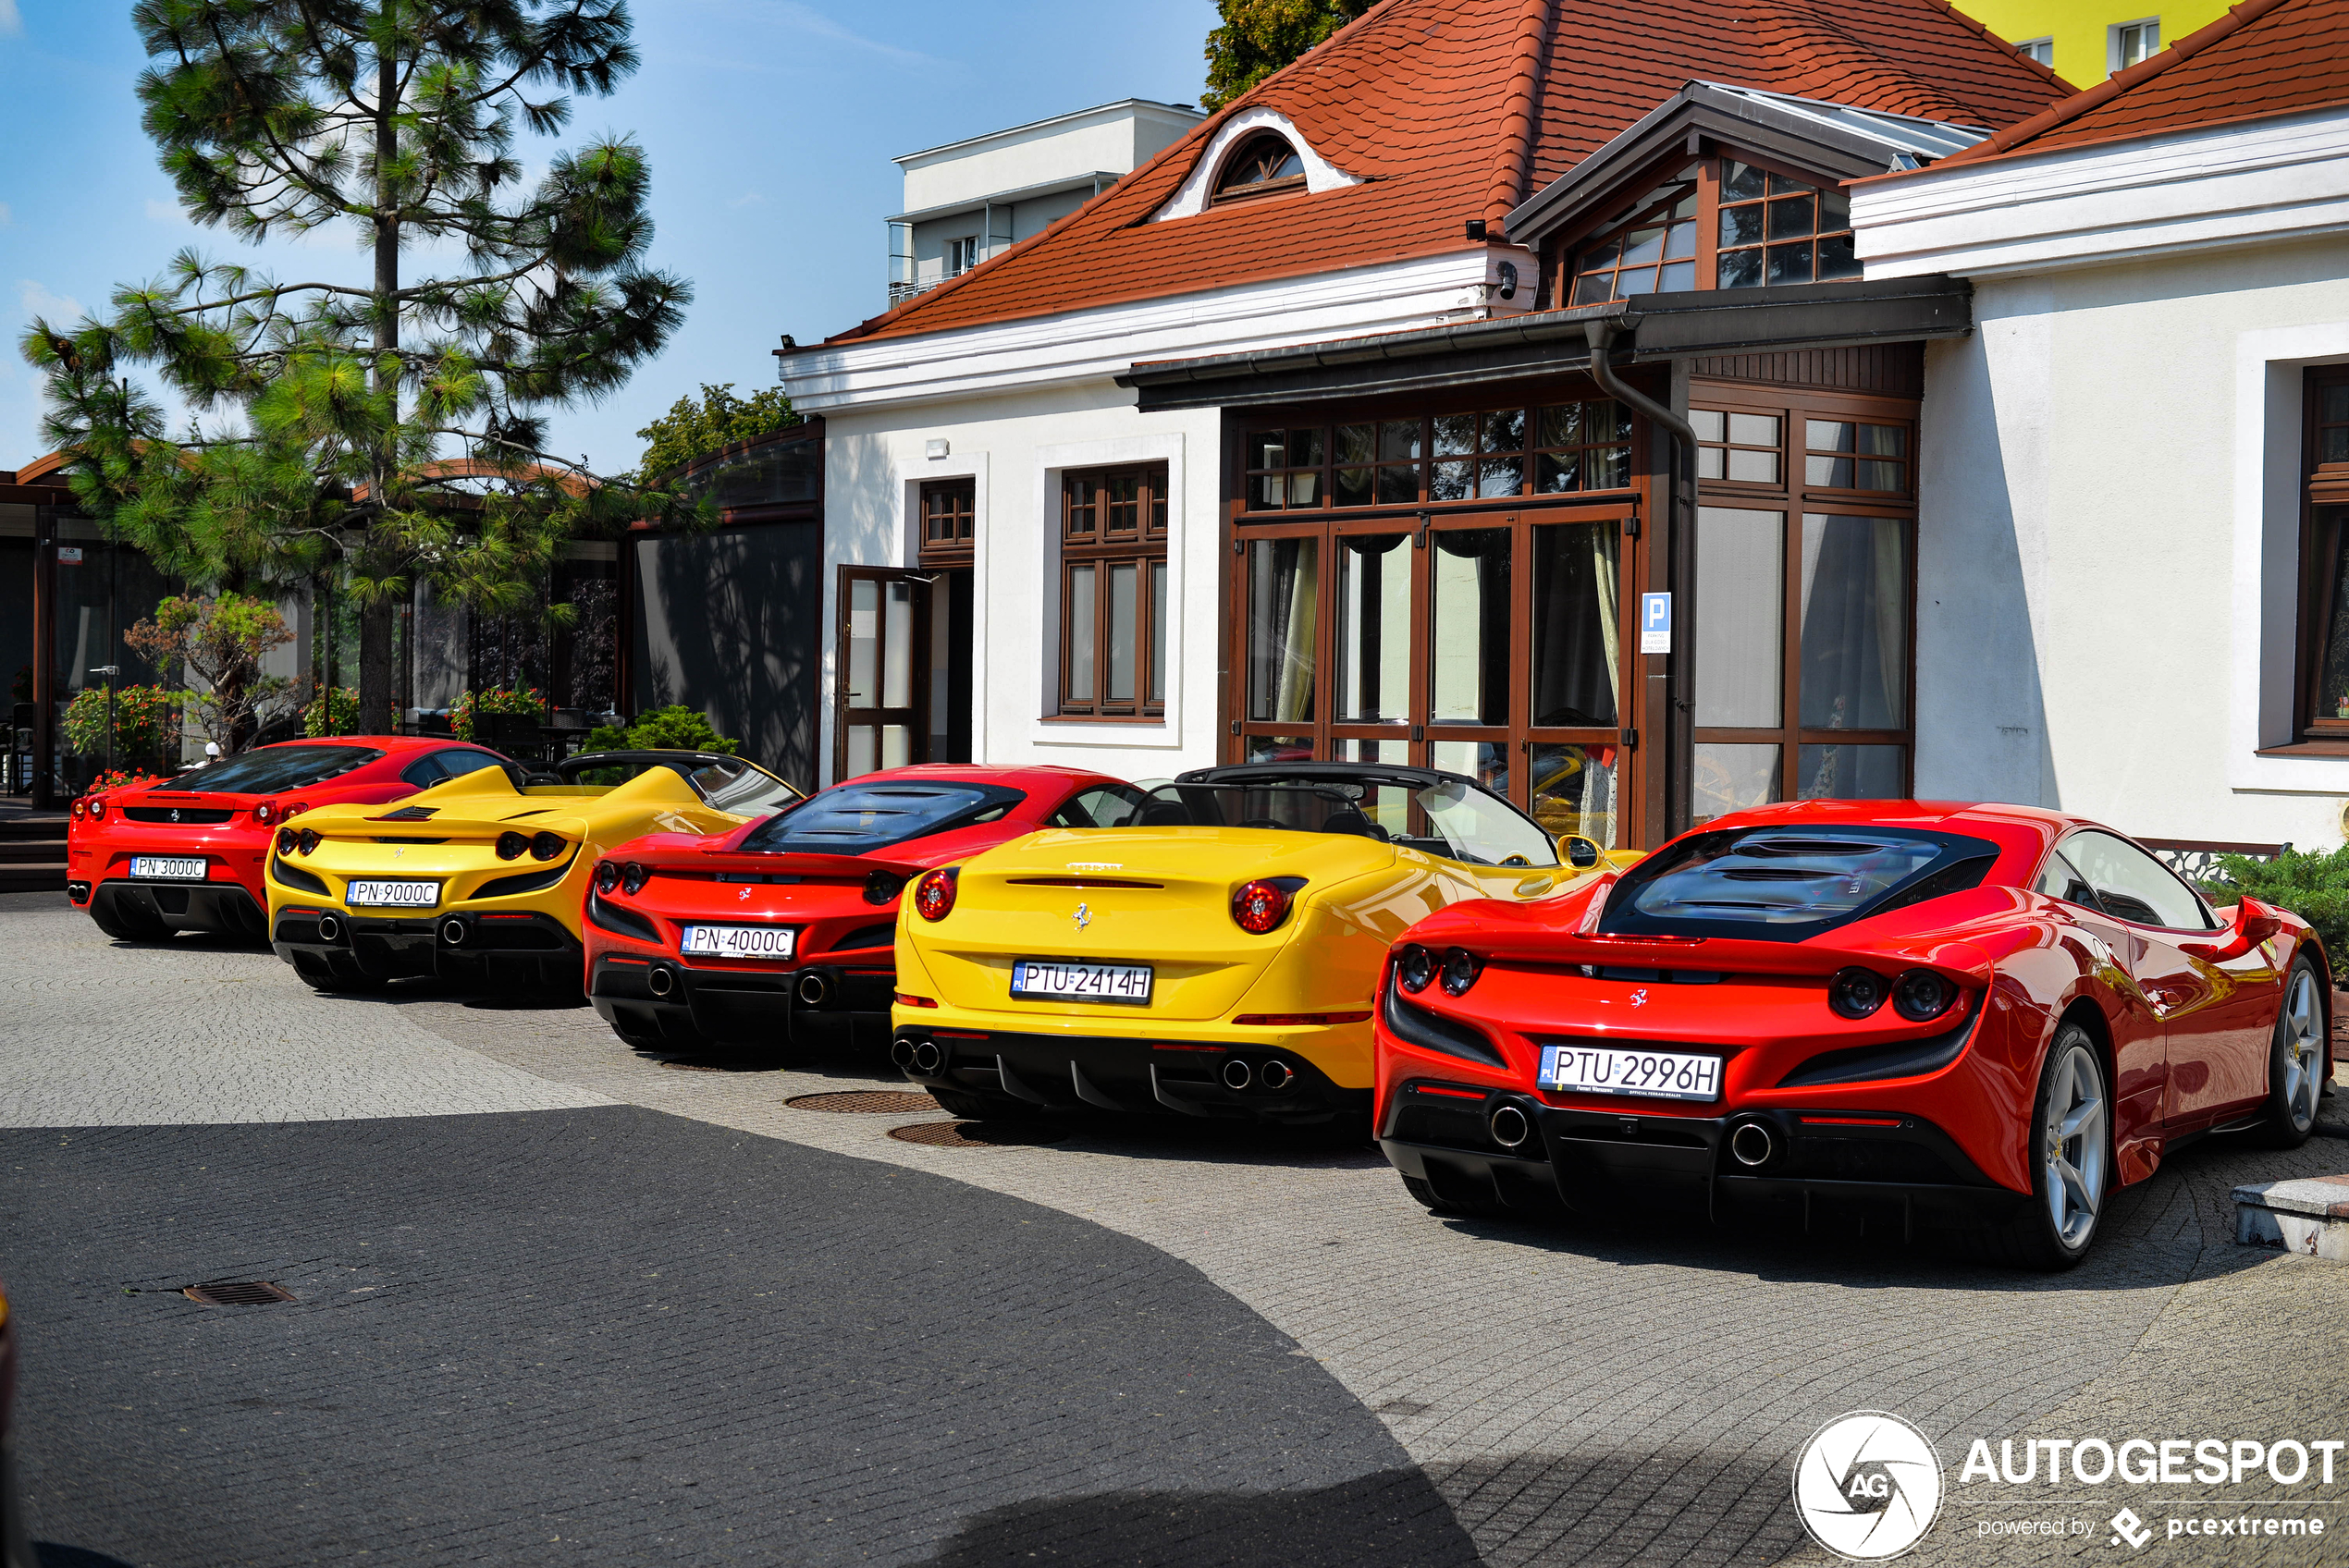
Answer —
1454 109
2262 59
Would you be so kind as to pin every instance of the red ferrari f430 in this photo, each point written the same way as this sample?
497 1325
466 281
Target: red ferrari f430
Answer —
1975 1019
741 936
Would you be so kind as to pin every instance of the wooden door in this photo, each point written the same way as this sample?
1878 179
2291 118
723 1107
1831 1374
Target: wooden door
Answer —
881 711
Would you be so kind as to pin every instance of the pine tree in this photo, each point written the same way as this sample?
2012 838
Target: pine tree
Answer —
384 427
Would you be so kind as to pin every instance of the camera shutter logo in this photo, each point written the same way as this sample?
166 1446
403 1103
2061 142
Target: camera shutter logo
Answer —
1867 1485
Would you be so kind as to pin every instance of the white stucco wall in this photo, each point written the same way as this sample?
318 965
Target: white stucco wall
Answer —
1015 448
2108 543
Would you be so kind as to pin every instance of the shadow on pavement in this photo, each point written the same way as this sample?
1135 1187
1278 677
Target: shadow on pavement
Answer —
51 1555
1376 1521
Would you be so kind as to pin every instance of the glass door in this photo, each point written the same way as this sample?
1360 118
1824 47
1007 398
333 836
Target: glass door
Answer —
881 681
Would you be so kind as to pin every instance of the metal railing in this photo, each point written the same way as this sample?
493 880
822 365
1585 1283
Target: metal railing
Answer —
2196 860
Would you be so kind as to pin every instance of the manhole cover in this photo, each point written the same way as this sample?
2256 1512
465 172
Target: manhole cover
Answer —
977 1135
866 1102
241 1292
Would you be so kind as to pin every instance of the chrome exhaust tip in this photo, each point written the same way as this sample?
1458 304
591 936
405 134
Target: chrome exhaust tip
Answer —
660 982
1753 1144
452 932
927 1057
329 928
813 990
1509 1127
1238 1075
1276 1074
901 1054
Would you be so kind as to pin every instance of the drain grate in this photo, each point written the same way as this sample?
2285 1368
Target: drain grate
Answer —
237 1293
977 1135
866 1102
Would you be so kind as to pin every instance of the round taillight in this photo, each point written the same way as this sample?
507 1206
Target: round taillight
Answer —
1414 968
98 808
1260 907
1857 993
308 840
511 846
546 846
1921 994
1460 969
881 886
934 894
79 811
633 877
263 813
294 809
607 876
286 840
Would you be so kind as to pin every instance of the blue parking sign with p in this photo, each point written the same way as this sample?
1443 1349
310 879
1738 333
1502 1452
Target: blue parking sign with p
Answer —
1655 623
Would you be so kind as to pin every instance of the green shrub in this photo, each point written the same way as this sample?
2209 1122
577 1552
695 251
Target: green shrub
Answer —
2311 884
146 724
527 701
334 712
674 728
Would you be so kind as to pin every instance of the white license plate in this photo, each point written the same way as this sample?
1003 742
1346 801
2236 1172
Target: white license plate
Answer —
738 942
168 868
1082 982
399 895
1608 1070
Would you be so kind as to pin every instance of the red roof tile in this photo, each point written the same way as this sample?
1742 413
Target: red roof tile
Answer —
1454 109
2264 57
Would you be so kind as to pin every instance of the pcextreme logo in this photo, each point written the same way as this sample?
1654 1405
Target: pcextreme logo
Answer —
1867 1485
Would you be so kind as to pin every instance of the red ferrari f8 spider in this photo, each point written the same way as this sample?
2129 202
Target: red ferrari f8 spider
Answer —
185 854
744 936
1983 1018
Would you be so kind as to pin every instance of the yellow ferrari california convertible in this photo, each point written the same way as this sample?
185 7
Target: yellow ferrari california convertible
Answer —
1213 953
481 880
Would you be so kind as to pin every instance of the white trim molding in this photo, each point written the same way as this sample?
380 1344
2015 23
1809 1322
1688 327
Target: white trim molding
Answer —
1098 344
1051 464
2255 183
2265 598
912 473
1191 198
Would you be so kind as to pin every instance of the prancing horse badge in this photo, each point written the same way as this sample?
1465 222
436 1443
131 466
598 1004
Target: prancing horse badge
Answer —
1084 916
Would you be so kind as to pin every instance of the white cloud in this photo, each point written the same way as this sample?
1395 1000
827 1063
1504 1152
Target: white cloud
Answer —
807 20
61 309
11 23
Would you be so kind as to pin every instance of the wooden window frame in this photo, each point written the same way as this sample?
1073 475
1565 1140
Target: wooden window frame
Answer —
1793 497
1564 255
1223 194
2324 519
1324 474
1099 547
956 503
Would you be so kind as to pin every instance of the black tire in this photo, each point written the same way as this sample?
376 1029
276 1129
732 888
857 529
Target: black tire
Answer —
126 922
2057 1227
2298 1062
1427 1197
980 1106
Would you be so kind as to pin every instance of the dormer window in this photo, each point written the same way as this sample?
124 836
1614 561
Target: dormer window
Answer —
1718 222
1264 165
1654 252
1776 231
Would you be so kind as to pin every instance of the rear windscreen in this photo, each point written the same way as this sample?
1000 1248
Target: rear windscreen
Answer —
855 819
272 769
1783 883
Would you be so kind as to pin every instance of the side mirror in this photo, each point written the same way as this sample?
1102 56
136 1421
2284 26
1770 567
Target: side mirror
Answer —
2254 923
1579 851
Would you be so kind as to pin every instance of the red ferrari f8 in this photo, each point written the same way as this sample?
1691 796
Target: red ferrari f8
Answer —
746 935
185 854
1980 1019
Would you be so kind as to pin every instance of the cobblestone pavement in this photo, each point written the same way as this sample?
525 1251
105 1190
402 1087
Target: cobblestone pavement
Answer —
1591 1395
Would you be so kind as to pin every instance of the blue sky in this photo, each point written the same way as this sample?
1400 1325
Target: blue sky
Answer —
769 125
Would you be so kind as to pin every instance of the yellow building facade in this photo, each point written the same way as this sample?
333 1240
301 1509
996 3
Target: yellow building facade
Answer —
2085 41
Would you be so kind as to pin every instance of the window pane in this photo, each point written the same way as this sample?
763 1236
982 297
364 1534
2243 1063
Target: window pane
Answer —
1677 277
1374 630
1556 472
1500 476
1594 289
1738 269
1561 426
1733 777
1352 487
1397 752
1082 633
1283 602
1606 467
1264 493
897 665
1451 481
1397 483
897 745
1305 448
1576 644
1505 430
1304 489
1124 628
2132 885
1600 256
2335 447
2335 404
1790 264
1635 280
1158 631
1487 762
1848 773
1399 438
1469 634
1267 446
1357 442
1681 242
1838 258
1855 623
1739 181
2333 654
1740 226
1454 434
1642 245
1708 462
1280 748
1755 430
1710 424
1792 218
1573 791
864 642
1741 598
1756 467
1835 211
